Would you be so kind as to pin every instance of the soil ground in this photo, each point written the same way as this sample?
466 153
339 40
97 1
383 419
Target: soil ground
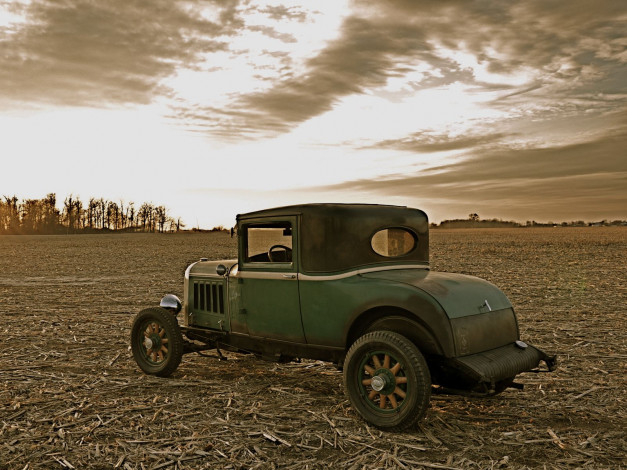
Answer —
71 395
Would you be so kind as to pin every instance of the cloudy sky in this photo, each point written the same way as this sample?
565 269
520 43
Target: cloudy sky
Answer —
511 109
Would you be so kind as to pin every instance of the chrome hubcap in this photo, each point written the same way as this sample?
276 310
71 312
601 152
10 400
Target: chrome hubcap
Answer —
378 383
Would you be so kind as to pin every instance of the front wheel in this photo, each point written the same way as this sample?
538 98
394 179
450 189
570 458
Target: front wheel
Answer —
156 342
387 380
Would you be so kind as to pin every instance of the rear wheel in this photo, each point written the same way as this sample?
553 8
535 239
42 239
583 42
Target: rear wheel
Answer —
156 342
387 380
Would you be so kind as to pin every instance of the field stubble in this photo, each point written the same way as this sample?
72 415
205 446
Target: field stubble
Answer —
71 395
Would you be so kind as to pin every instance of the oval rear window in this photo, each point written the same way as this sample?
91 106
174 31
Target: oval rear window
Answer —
393 242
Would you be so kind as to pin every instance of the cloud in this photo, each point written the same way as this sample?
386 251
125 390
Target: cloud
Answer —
282 12
363 58
80 52
426 141
530 49
584 180
272 33
99 53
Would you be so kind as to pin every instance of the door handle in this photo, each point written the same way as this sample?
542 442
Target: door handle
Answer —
289 276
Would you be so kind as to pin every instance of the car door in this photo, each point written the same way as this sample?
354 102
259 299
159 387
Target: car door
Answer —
268 278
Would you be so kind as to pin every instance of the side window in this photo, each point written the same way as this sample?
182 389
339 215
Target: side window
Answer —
269 243
393 242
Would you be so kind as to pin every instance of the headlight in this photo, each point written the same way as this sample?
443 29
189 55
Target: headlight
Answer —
171 302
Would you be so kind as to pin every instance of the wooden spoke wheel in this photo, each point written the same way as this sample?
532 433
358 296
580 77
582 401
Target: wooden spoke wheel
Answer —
383 378
387 380
156 342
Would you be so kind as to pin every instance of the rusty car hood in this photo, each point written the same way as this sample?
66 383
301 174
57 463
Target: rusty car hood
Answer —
458 294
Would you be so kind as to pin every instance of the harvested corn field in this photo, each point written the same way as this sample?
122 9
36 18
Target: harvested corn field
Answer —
72 397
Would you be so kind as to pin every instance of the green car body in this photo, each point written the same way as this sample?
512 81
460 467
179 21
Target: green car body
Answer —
314 280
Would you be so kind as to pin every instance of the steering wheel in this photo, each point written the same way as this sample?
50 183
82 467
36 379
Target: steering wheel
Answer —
287 250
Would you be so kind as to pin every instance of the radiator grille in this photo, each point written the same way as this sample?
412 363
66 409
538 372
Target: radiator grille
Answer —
209 296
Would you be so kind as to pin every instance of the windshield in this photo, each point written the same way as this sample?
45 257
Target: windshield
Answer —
269 243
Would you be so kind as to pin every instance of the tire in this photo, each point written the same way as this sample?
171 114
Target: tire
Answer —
399 395
156 342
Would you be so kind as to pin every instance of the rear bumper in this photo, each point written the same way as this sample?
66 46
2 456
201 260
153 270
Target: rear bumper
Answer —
491 367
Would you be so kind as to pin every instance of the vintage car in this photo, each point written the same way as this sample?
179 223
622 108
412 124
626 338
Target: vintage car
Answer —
349 284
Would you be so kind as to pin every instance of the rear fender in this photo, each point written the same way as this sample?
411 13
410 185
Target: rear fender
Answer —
398 321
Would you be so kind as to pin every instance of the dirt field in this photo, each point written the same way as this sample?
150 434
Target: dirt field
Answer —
72 397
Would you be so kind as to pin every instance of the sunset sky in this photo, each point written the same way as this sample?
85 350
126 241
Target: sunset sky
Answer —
515 110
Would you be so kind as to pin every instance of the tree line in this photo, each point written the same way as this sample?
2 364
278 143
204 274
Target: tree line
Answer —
41 216
474 221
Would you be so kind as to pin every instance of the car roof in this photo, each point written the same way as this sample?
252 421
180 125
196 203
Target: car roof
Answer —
338 237
319 208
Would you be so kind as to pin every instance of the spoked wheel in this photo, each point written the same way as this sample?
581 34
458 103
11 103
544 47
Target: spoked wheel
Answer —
156 342
387 380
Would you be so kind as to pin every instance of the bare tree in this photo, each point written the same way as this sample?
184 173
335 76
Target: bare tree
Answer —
51 213
145 216
10 215
92 210
42 215
130 213
68 212
113 215
122 216
78 208
161 216
102 207
32 216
